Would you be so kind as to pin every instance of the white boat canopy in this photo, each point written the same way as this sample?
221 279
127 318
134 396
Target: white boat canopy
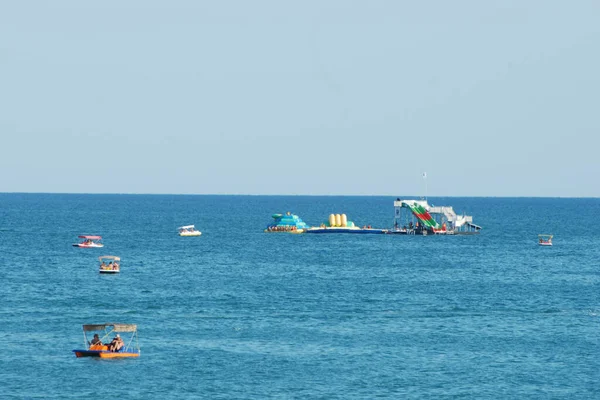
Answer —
115 327
114 258
187 227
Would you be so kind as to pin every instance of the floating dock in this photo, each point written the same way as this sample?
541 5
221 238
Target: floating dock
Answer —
338 223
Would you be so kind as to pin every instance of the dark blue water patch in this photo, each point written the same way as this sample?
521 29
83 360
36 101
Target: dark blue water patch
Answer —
239 313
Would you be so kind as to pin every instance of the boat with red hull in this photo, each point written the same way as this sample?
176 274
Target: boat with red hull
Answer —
545 240
89 241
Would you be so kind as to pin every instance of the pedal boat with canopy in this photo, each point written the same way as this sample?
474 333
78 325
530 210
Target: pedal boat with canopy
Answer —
89 241
188 230
545 240
109 264
130 346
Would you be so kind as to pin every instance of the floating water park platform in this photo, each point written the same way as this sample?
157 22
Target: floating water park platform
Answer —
411 217
417 217
338 223
286 223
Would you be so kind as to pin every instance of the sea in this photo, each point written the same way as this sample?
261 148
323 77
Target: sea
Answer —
238 313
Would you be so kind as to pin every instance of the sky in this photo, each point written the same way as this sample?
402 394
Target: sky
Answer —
301 98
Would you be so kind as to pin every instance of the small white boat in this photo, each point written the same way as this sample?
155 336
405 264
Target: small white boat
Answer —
545 240
109 264
188 230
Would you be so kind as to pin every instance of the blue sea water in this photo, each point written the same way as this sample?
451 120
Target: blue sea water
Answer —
238 313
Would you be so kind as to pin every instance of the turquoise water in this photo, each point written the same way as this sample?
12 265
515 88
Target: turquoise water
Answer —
238 313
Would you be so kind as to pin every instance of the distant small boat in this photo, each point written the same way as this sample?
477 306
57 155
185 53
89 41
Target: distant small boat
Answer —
188 230
109 264
545 240
105 347
89 241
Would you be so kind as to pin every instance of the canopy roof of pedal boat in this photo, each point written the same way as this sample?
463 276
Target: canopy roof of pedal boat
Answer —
115 327
93 237
545 236
187 227
114 258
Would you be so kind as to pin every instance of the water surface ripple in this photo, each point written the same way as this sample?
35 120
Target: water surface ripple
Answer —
238 313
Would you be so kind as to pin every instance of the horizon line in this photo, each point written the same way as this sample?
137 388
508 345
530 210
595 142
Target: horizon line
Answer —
299 195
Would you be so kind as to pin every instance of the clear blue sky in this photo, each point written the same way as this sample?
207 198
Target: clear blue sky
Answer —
312 97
